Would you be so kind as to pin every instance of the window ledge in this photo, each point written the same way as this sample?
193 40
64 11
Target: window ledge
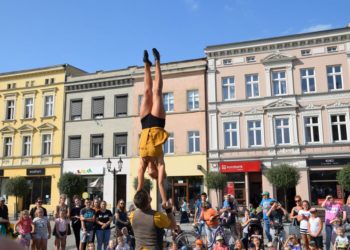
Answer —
28 119
9 121
48 117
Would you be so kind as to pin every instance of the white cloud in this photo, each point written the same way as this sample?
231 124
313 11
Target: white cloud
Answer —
317 27
192 4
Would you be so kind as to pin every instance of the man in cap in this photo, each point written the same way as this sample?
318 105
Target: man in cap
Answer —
4 217
266 205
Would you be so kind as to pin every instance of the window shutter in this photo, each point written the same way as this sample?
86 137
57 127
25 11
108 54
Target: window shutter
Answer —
121 103
74 147
121 139
98 106
97 140
76 108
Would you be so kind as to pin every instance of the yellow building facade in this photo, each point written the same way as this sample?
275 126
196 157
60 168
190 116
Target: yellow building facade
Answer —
31 132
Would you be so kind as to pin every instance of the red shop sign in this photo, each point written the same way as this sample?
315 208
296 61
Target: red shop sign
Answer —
239 166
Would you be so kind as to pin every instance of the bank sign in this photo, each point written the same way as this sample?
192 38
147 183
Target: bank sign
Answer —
239 166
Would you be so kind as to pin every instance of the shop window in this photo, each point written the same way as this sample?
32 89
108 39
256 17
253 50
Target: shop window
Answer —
324 183
3 192
39 187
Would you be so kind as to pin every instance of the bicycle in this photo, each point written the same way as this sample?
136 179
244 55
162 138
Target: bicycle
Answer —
188 239
277 241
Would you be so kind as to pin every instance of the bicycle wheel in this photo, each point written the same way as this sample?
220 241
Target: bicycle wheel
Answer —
187 239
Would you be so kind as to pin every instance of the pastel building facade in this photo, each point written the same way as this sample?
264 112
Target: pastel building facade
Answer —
31 131
280 100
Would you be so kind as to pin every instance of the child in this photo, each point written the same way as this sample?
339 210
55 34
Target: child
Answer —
256 243
111 245
199 244
121 244
341 241
25 228
292 243
61 230
128 239
220 243
238 245
90 246
337 222
42 229
315 227
153 135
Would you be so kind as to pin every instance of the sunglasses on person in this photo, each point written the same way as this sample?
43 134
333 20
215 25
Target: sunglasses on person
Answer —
297 200
40 202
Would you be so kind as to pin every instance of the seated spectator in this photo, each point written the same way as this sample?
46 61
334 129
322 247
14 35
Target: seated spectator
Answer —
111 245
91 246
256 244
219 245
292 243
199 245
121 244
341 241
239 245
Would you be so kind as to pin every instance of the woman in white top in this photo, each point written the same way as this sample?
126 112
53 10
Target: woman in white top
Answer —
303 218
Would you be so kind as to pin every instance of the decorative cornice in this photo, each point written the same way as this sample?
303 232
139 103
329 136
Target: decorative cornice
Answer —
280 104
26 128
254 111
83 86
277 57
8 130
229 113
337 105
46 126
311 107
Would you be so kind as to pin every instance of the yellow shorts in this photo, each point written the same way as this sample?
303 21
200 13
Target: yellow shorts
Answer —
151 141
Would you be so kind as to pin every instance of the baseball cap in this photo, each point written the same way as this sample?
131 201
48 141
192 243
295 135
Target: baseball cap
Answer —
2 199
265 193
219 237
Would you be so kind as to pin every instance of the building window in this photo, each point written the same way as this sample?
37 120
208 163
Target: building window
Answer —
10 110
47 142
74 147
48 109
254 133
228 88
96 145
231 134
227 61
332 49
168 146
121 105
312 130
76 109
98 107
193 141
27 145
28 108
339 130
8 143
334 77
47 81
252 85
120 144
279 83
250 59
305 52
168 99
192 100
282 131
307 80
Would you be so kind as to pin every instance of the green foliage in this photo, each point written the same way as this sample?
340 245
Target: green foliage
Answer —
71 184
343 178
17 186
283 176
147 185
216 180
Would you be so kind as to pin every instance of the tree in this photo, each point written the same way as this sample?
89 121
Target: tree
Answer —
217 181
343 178
17 186
71 184
147 185
284 177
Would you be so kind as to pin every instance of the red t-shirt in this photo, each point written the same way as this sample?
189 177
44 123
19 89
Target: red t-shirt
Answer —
207 214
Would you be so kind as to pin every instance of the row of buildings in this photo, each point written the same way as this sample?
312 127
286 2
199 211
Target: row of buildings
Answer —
243 108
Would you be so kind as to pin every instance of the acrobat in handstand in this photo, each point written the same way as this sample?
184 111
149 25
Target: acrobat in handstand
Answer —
153 135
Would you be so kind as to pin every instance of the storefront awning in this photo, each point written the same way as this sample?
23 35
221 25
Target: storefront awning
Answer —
239 166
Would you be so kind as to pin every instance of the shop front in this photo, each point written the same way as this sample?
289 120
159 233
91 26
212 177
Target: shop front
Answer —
244 180
323 179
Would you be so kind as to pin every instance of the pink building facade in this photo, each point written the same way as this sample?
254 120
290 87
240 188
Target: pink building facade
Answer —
280 100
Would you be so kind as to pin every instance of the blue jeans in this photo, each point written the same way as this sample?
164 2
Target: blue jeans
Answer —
200 227
103 238
267 230
209 232
329 230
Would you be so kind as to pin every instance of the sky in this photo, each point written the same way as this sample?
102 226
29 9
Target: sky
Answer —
112 34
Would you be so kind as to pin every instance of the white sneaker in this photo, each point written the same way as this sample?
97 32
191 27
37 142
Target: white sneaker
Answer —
269 244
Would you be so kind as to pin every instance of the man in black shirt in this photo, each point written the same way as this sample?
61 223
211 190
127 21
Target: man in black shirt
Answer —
276 213
38 204
4 217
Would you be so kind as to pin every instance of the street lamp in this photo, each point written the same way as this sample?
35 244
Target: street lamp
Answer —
114 171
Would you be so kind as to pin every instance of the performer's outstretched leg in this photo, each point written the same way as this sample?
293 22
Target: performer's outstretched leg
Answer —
146 104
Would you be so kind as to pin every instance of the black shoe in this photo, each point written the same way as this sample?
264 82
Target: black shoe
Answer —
156 54
145 58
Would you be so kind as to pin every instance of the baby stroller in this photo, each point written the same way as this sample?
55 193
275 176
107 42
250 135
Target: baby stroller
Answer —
255 229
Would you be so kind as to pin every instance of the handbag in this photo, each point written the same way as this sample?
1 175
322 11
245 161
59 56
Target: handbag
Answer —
294 228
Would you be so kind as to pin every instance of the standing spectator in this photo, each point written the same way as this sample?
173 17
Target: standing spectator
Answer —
61 230
245 224
266 205
103 229
96 206
315 227
210 216
4 217
198 211
341 242
121 215
148 224
333 210
75 218
87 218
62 206
275 214
303 218
42 230
38 204
346 216
184 212
295 224
25 227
